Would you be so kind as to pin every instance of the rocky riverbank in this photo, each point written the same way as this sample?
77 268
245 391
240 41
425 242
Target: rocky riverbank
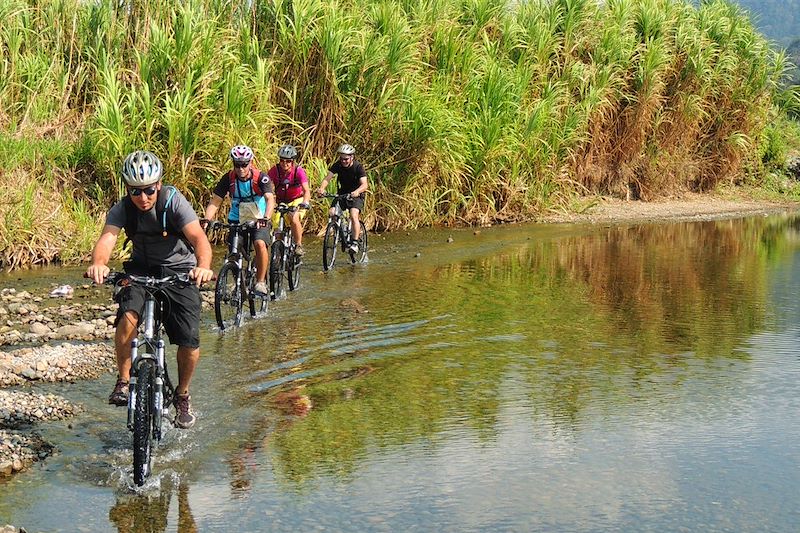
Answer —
25 318
21 410
56 341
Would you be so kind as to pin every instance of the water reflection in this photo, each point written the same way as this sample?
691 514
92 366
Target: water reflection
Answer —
134 513
624 319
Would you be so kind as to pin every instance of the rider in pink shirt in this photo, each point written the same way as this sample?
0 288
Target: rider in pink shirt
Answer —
291 188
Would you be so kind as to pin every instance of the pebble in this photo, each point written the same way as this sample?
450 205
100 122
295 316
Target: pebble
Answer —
18 451
64 291
19 408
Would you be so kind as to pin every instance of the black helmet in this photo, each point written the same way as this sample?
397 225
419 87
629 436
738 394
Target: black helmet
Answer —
287 151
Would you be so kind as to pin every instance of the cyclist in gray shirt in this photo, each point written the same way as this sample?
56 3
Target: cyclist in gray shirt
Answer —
167 239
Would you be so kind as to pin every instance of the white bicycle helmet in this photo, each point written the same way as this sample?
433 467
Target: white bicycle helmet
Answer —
141 168
241 154
346 149
287 151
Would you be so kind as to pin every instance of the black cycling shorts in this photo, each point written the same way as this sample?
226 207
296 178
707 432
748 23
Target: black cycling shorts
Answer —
257 234
181 309
352 203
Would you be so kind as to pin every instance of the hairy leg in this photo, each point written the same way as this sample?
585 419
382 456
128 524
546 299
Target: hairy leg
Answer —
354 214
262 259
124 335
187 361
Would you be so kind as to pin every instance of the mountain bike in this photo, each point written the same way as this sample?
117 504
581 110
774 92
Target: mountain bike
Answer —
338 233
236 280
151 391
284 261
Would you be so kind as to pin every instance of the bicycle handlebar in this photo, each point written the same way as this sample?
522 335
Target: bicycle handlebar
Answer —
251 224
283 208
152 282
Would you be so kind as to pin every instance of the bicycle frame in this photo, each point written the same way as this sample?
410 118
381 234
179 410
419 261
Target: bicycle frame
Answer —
150 337
239 232
240 264
148 370
345 230
343 223
282 257
283 229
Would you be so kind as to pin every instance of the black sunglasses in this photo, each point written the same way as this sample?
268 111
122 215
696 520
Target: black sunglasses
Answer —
149 191
283 160
241 165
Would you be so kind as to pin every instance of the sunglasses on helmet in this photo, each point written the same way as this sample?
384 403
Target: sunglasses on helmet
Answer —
149 191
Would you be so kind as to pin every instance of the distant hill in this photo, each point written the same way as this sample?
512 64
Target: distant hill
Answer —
779 20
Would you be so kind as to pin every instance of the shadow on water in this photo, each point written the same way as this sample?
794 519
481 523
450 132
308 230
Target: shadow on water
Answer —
465 384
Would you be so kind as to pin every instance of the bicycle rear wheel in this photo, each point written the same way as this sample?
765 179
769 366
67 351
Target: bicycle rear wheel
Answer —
361 255
143 421
329 246
256 302
276 269
293 264
228 297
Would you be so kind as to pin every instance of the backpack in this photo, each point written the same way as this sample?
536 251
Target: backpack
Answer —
255 187
294 182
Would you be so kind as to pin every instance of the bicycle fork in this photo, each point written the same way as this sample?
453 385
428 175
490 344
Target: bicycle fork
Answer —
158 383
132 382
159 392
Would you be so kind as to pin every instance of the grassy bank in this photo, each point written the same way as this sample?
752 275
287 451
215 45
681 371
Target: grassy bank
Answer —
464 111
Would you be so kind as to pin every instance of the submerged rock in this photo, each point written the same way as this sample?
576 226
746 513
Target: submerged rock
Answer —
18 451
352 305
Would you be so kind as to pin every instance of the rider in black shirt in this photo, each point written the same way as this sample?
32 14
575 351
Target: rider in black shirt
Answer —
352 182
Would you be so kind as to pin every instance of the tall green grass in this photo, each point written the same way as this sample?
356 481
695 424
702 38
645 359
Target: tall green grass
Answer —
464 111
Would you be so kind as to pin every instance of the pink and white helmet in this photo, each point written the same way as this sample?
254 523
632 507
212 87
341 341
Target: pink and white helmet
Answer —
241 154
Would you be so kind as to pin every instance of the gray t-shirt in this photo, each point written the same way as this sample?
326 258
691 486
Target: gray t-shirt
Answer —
151 249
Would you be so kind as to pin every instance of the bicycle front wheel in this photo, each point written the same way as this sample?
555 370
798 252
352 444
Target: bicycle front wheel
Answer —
276 269
293 264
228 297
329 246
143 421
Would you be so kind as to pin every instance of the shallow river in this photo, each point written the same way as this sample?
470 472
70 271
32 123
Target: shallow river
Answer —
525 378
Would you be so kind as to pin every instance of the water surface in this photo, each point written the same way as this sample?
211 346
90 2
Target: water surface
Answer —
559 378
